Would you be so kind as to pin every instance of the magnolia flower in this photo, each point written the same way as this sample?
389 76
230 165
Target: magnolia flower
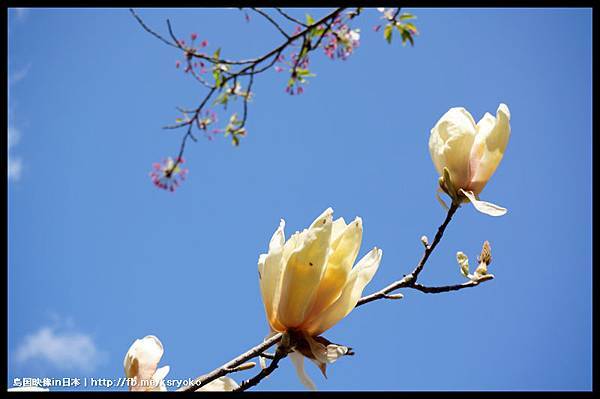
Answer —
308 285
141 362
466 154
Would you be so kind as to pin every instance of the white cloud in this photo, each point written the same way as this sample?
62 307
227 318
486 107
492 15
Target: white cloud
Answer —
15 165
71 351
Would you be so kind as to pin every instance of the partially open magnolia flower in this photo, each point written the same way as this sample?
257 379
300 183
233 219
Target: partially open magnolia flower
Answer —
308 285
466 154
141 367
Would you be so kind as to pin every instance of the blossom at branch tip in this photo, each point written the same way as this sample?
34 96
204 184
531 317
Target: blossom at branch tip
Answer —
466 154
166 175
141 368
308 285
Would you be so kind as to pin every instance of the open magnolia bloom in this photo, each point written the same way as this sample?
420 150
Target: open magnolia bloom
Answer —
466 154
141 367
308 285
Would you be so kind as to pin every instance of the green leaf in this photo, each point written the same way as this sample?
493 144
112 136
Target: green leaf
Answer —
411 26
309 20
387 33
217 54
406 16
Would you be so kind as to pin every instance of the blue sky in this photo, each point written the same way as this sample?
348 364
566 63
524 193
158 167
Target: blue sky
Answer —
99 257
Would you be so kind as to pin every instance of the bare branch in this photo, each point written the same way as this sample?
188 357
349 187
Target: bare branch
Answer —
290 18
411 279
147 29
232 364
280 353
271 20
447 288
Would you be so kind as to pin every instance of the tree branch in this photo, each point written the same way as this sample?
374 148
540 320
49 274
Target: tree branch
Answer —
250 67
408 281
280 353
271 20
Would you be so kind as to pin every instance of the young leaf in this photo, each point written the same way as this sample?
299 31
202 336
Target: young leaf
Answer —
387 33
309 20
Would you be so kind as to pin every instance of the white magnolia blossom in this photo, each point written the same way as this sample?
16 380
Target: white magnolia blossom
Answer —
308 285
141 366
470 152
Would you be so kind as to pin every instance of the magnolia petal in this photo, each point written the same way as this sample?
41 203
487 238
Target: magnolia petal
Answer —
489 146
484 207
304 270
142 357
337 228
298 361
270 269
450 144
220 384
359 277
344 252
159 376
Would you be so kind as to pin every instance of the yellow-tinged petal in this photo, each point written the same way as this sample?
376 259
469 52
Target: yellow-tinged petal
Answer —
450 144
359 277
304 270
344 252
488 148
484 207
338 227
270 272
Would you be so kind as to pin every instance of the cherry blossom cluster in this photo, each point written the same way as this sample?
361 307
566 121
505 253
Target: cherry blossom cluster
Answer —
168 175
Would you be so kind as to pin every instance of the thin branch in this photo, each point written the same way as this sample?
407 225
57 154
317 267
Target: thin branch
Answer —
147 29
271 20
290 18
280 353
446 288
224 369
411 279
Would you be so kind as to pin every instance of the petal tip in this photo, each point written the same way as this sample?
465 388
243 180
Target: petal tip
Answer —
503 108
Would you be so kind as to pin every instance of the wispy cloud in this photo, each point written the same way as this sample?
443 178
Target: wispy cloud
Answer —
15 164
69 351
18 75
21 13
